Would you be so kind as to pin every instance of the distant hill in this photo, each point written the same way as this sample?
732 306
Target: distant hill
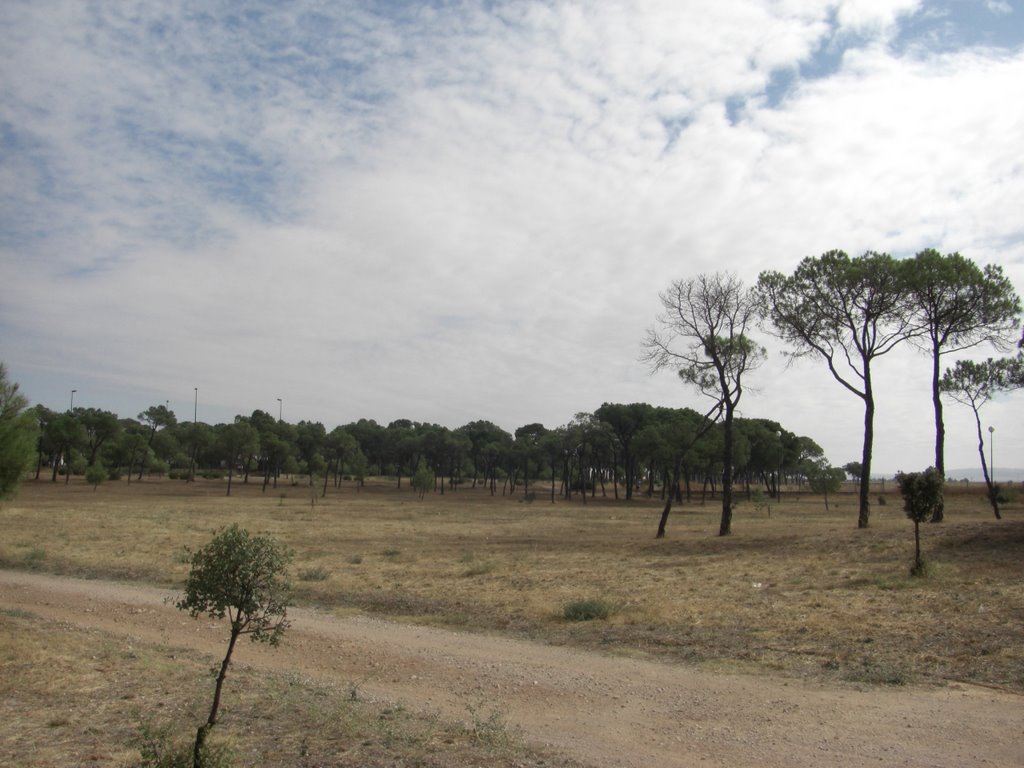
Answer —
1002 475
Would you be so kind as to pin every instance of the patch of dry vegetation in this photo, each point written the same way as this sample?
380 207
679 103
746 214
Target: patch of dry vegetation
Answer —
802 592
72 697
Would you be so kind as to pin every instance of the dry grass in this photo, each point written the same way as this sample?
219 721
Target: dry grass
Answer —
70 697
802 593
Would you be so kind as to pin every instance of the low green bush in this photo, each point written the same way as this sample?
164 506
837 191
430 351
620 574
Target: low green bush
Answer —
588 610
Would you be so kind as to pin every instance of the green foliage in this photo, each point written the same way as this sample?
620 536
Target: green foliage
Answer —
158 749
95 475
588 610
922 493
18 436
922 497
423 480
241 577
1005 495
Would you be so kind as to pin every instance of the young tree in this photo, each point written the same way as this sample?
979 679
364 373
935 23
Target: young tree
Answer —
241 577
922 495
703 336
847 312
423 480
95 474
824 478
974 384
18 435
959 306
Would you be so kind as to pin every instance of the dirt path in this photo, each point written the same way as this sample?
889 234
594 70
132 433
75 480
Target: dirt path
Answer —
602 711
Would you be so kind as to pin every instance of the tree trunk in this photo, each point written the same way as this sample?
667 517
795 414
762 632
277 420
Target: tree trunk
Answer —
864 511
725 528
940 431
204 729
984 469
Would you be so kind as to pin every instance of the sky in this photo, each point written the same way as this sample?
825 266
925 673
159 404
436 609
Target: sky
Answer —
451 211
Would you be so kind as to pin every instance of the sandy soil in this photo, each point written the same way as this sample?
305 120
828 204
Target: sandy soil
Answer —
601 710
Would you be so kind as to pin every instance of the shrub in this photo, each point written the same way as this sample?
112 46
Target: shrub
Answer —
922 496
157 749
1005 495
95 475
319 573
587 610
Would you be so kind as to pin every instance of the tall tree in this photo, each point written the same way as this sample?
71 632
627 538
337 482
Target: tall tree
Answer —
234 442
18 435
703 335
528 450
155 418
959 306
847 312
100 426
309 441
974 384
626 422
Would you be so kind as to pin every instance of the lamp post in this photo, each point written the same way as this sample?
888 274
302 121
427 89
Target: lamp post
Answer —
72 408
280 408
195 407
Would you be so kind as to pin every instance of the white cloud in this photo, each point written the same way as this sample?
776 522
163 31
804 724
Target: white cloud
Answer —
450 214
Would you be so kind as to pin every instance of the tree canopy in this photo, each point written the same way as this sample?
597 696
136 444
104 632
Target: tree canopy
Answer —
846 312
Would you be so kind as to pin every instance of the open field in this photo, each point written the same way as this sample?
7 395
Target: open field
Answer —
799 593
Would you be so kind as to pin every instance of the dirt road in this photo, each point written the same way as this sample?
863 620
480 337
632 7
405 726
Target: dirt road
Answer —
603 711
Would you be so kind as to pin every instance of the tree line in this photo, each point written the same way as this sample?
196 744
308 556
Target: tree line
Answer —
618 450
845 312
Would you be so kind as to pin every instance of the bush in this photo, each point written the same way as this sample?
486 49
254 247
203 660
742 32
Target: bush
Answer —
157 749
1005 495
319 573
587 610
95 475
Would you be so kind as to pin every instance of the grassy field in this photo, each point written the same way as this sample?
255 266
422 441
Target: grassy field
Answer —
796 590
83 698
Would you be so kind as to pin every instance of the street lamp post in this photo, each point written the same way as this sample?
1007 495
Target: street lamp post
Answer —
72 408
195 408
280 408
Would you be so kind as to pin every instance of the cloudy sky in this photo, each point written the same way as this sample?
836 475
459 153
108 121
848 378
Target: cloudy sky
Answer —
457 211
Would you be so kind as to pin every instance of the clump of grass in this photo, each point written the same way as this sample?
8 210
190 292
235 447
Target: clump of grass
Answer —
588 609
390 552
489 728
479 569
318 573
877 674
355 559
476 567
35 556
159 749
922 569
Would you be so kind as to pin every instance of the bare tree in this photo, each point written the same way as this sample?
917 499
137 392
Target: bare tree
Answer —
702 334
